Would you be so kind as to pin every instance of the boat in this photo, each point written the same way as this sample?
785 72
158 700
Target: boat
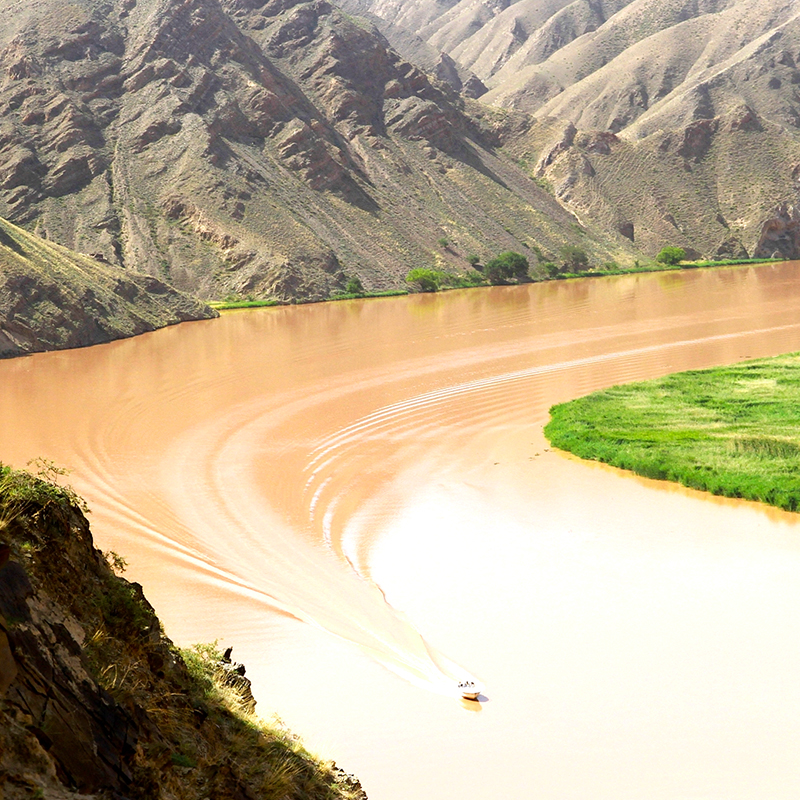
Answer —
469 690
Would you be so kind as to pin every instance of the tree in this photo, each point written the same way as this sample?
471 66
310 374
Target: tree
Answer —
505 267
671 256
575 258
426 280
550 268
354 285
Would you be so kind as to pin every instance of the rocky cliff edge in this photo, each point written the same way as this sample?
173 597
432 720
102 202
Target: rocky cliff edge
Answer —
95 702
52 298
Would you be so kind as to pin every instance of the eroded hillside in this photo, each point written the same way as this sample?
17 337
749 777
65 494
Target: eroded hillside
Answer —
247 147
676 122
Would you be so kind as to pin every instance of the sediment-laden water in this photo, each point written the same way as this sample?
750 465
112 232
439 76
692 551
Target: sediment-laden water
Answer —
358 497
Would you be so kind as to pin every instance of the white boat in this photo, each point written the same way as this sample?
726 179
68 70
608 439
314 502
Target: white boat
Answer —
469 690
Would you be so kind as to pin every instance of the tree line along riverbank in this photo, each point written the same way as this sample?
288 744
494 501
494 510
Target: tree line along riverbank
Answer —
732 431
507 268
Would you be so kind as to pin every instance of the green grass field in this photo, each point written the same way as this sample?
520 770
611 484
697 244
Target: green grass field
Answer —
732 431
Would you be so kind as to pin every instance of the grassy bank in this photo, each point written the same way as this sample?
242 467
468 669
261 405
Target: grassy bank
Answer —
732 431
228 305
656 267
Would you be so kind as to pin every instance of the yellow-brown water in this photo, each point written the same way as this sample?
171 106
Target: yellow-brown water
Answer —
358 497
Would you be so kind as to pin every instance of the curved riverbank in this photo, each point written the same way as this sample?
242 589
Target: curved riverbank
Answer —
731 431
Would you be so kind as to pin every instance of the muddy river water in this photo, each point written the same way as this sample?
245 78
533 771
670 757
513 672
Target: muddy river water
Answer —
359 498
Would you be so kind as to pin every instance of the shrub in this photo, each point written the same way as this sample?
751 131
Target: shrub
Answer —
550 268
574 257
426 280
506 266
671 256
354 285
472 259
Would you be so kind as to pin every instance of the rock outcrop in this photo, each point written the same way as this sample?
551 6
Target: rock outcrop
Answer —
780 234
96 702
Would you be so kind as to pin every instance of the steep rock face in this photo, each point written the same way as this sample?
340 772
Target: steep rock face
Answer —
51 298
94 699
780 235
246 147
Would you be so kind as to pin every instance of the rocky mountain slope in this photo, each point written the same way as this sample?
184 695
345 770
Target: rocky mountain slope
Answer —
279 148
676 121
95 702
248 147
51 298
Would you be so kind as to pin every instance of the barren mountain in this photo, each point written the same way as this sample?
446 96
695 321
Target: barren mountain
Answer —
675 121
247 147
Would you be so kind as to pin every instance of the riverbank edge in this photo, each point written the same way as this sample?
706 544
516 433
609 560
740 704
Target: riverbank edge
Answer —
232 305
95 698
729 431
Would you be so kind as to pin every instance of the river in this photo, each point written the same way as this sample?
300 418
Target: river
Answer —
359 498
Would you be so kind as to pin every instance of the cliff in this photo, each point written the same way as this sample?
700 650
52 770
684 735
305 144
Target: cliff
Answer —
52 298
96 700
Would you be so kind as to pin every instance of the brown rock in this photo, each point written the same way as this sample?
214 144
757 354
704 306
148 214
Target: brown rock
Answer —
697 139
780 234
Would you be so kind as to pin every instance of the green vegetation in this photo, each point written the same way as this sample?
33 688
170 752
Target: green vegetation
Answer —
24 493
425 280
671 255
506 267
354 286
574 258
550 268
431 280
360 295
231 303
732 431
729 262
